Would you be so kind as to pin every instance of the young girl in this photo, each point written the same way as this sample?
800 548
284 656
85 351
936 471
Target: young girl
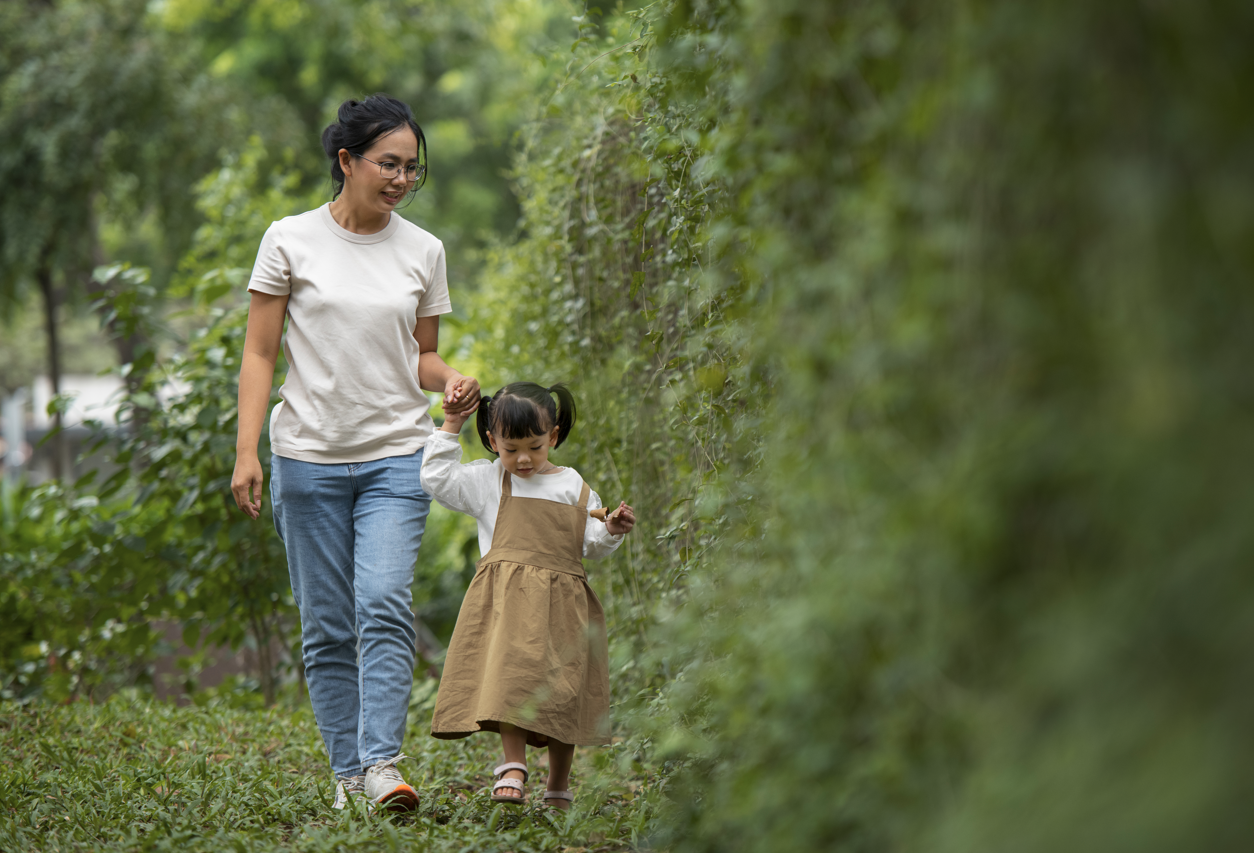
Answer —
528 657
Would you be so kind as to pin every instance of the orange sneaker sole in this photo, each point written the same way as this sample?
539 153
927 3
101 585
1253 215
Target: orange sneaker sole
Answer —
401 799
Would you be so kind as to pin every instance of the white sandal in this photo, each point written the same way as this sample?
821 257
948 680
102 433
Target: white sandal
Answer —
558 795
516 799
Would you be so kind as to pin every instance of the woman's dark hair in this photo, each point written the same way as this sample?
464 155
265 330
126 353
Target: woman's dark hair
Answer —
360 124
522 409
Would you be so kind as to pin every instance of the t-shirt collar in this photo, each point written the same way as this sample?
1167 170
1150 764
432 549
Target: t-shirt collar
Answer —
334 227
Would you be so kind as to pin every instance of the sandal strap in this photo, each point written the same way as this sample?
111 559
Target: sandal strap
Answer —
513 765
508 783
559 795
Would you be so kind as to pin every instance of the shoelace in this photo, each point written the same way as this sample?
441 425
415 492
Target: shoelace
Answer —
387 770
354 785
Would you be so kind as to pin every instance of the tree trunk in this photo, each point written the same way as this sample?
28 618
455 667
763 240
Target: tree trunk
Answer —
265 661
125 344
60 450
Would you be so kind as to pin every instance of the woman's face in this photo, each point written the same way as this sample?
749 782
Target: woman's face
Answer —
365 187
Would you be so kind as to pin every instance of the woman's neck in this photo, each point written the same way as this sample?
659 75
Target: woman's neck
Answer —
357 218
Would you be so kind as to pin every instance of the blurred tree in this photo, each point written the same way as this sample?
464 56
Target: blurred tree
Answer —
468 69
101 119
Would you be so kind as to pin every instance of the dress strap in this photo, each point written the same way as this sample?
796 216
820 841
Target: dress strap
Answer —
506 494
581 528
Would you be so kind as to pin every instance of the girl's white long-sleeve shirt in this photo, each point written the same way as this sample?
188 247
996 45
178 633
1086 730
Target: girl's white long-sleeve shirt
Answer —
475 489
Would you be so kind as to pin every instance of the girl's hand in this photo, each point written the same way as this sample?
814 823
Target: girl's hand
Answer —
621 520
246 484
461 396
453 423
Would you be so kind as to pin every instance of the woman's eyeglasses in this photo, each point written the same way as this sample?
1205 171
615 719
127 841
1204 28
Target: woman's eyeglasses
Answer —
389 171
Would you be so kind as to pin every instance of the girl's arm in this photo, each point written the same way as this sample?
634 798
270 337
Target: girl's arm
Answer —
602 539
453 421
461 488
461 393
256 374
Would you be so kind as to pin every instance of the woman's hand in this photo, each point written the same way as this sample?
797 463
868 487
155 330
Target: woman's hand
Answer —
461 396
246 484
621 520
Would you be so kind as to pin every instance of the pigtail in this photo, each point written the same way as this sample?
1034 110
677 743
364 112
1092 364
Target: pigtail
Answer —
565 419
521 409
483 420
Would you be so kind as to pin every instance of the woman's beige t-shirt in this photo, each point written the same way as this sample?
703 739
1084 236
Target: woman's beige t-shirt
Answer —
351 393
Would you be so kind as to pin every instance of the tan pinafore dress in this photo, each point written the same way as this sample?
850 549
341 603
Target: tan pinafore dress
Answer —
530 646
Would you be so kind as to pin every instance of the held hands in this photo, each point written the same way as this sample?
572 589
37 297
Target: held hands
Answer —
618 521
461 396
461 399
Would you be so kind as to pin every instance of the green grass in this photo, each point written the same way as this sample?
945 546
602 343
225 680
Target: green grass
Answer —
132 775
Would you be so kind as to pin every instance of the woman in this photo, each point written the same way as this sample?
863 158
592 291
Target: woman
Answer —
364 291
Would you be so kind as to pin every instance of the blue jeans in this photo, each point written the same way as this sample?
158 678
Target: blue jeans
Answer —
352 533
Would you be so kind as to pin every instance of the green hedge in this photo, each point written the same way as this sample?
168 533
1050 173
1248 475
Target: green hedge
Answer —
604 288
978 280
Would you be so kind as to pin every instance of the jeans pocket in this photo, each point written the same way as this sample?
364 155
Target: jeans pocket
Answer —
405 477
276 511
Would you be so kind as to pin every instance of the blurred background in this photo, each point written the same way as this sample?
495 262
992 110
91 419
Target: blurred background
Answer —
918 334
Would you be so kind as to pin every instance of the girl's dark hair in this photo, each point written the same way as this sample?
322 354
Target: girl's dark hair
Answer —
360 124
522 409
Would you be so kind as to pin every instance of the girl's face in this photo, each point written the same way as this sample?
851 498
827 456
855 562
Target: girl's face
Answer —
525 457
363 183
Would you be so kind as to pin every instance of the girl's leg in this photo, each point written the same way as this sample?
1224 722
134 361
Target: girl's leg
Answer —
514 745
389 517
560 757
313 510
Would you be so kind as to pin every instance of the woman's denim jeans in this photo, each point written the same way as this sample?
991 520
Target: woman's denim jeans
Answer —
352 534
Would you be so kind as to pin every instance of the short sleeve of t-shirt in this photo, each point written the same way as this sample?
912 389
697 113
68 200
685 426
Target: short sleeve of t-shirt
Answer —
435 299
272 272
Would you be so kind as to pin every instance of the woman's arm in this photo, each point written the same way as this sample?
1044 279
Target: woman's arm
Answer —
461 393
256 374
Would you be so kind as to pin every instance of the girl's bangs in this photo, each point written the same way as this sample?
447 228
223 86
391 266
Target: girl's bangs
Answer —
518 417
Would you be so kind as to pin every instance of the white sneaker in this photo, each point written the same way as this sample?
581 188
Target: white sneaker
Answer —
353 786
386 788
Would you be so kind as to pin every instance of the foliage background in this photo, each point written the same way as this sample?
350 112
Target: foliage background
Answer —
916 334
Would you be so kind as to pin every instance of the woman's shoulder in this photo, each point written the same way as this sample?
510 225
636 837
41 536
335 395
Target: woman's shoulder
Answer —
416 235
298 224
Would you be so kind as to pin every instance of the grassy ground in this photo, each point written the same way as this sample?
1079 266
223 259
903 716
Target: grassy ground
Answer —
132 775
